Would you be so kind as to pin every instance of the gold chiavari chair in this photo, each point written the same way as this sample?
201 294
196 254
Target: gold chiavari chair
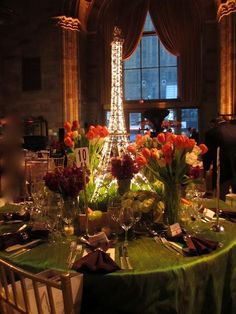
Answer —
28 293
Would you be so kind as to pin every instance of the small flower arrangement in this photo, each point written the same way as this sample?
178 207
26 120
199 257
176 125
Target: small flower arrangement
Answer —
124 167
76 137
143 201
68 181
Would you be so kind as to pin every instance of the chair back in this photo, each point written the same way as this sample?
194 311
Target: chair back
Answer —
56 162
49 292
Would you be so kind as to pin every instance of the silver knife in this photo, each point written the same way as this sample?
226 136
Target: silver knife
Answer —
127 257
122 259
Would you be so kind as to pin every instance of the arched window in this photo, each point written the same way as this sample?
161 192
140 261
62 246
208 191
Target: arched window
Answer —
151 72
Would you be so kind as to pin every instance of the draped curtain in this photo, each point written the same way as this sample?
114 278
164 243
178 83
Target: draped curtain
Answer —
178 26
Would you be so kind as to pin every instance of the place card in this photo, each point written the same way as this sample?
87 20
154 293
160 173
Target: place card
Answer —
174 230
98 238
208 213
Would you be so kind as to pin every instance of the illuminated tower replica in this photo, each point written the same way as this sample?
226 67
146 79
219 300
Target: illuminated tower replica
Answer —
117 141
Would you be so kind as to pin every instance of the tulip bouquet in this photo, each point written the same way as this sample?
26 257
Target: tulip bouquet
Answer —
76 137
170 159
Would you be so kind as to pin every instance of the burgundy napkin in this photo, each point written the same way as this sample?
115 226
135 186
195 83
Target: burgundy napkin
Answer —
229 215
25 216
200 246
21 237
96 261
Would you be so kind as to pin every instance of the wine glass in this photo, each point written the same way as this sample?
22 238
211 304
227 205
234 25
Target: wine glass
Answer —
113 208
200 190
53 216
126 221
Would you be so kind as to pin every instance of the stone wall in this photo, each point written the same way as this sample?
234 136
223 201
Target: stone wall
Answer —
32 33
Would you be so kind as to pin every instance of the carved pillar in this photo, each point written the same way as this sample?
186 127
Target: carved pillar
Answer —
227 30
69 28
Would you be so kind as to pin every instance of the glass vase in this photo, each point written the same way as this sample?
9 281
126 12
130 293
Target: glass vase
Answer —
70 215
172 195
123 186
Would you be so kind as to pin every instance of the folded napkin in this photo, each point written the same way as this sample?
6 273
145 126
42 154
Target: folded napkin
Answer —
96 261
21 237
10 216
200 246
229 215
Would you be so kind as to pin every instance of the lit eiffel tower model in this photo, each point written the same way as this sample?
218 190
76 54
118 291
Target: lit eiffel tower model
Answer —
117 141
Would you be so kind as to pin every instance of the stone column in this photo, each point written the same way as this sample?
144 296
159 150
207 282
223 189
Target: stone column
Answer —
227 31
69 28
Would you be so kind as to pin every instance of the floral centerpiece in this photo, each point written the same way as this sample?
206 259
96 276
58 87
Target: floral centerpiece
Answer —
169 158
76 137
123 169
68 181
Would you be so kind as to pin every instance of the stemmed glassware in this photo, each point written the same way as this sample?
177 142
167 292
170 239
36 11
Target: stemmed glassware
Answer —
38 195
126 221
200 188
113 208
53 216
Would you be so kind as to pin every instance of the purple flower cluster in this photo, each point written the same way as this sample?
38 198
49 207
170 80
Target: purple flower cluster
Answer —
124 167
68 181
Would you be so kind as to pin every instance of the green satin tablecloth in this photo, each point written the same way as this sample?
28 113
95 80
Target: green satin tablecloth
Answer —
161 282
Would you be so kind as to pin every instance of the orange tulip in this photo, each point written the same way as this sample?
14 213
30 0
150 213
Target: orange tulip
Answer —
104 132
146 152
155 153
191 143
132 148
139 139
203 148
141 160
90 135
180 141
67 126
68 142
75 125
161 138
167 149
170 137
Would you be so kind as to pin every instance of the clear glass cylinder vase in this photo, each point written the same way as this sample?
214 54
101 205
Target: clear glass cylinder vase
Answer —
123 186
70 215
172 195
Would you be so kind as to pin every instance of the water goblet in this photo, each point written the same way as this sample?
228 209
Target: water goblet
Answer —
126 221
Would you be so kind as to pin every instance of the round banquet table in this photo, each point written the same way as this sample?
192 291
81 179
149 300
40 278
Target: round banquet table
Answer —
161 281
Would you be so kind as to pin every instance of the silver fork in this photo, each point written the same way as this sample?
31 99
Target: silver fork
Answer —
126 256
75 253
165 243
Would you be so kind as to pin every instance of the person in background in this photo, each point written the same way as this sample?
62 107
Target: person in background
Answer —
194 135
222 134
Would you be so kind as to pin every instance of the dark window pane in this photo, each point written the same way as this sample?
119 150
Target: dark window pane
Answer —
150 84
134 61
148 26
31 74
168 83
189 119
149 51
134 123
166 58
132 84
